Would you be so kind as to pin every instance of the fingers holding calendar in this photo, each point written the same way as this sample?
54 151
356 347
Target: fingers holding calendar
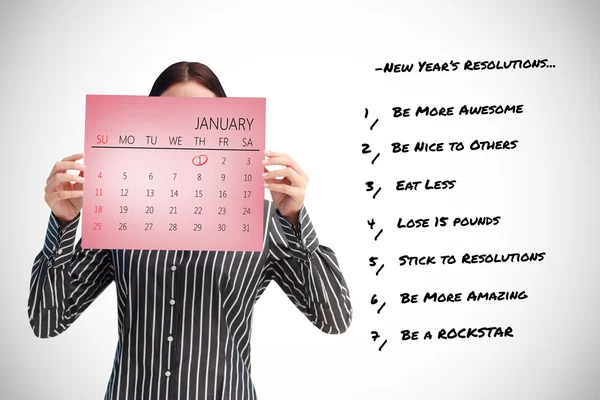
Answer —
64 191
275 158
288 192
67 163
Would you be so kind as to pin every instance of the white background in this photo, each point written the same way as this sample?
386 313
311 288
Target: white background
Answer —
314 62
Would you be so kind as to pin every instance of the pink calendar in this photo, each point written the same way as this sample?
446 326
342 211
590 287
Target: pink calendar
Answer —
173 173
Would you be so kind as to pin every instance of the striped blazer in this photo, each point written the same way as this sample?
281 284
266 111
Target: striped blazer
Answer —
184 317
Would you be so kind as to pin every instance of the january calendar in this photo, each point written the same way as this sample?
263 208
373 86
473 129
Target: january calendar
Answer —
173 173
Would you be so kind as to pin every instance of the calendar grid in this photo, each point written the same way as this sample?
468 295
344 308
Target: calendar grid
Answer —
159 199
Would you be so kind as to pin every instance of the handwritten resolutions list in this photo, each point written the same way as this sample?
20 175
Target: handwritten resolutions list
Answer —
374 188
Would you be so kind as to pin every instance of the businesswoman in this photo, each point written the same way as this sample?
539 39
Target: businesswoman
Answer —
185 317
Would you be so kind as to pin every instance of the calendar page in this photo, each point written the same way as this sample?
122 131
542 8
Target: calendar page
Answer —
173 173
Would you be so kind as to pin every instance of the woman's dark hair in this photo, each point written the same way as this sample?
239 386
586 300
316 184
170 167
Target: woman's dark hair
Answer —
184 71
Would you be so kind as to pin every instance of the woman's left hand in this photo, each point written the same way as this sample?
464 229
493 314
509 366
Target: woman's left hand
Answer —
287 192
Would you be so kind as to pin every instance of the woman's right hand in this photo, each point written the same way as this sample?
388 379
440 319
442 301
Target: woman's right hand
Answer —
65 198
